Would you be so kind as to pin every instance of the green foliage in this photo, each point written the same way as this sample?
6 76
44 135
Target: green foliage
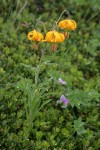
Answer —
79 126
76 61
78 97
33 101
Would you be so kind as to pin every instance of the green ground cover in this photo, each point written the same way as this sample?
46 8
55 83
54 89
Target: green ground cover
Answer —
76 61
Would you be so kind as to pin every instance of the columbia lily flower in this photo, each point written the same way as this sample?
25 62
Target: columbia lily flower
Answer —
68 24
54 36
63 100
61 81
35 36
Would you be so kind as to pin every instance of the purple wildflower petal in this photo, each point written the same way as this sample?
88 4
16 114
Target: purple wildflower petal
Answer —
61 81
64 100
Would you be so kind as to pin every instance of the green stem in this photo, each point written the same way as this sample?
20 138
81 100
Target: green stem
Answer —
62 14
38 68
69 138
56 22
44 27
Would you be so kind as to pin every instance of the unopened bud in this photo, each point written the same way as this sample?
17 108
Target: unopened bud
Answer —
66 35
35 46
54 47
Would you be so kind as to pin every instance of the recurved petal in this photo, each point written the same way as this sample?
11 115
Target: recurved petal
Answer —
62 37
30 35
49 36
74 24
35 35
70 24
54 36
40 37
62 24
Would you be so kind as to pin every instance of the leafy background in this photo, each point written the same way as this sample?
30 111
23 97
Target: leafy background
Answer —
76 61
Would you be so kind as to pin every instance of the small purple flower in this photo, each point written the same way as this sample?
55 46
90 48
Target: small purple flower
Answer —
61 81
64 101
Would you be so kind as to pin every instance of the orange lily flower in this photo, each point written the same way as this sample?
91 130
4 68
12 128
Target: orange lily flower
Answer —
35 36
68 24
54 36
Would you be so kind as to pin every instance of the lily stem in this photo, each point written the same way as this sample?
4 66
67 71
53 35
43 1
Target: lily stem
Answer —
56 22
